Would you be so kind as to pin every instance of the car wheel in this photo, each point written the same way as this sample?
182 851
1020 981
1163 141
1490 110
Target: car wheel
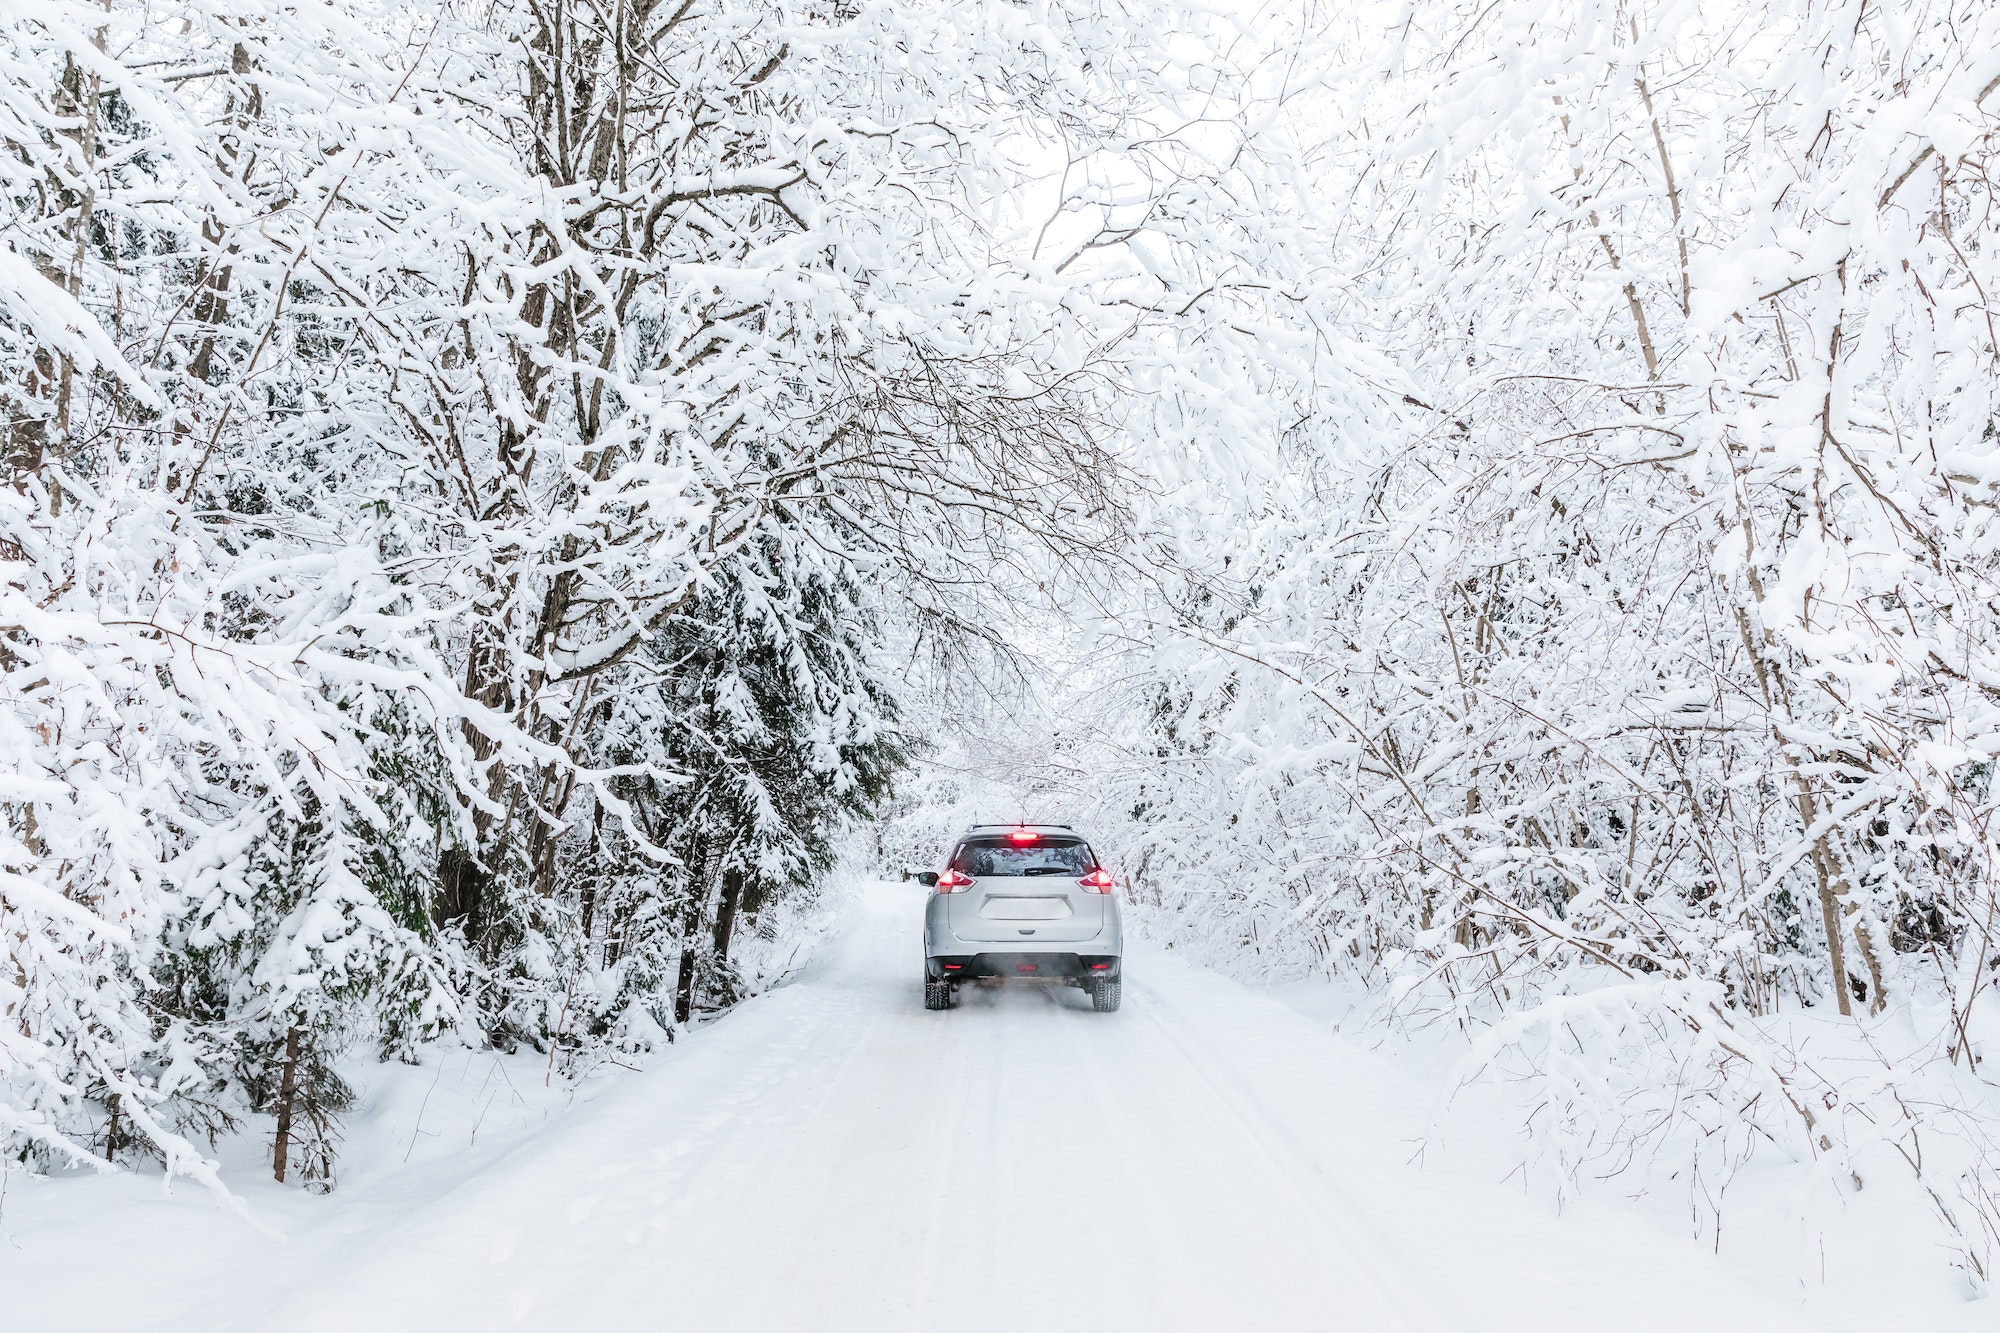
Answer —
1104 996
937 995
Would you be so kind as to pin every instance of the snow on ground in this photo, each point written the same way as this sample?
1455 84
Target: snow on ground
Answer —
831 1156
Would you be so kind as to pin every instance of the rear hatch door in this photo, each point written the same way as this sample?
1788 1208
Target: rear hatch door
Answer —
1023 892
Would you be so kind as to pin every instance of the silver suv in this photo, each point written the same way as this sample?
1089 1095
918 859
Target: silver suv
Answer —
1022 902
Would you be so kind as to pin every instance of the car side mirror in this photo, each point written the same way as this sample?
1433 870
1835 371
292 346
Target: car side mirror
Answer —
927 878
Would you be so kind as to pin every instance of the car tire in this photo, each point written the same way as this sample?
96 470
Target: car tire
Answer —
1104 997
937 994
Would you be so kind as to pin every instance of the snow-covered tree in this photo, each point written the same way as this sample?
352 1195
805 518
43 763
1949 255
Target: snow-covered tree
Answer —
1516 480
385 385
1615 675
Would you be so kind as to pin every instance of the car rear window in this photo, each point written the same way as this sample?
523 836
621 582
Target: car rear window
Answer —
1000 856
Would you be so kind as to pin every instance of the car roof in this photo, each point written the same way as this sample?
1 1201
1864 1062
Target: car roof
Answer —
1002 828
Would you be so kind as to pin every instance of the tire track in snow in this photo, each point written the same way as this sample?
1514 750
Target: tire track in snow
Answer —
1156 1206
1304 1177
798 1201
934 1236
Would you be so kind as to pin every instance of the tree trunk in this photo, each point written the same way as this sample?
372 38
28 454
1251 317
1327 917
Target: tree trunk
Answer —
725 915
462 881
588 891
1829 911
1833 893
288 1087
691 944
684 986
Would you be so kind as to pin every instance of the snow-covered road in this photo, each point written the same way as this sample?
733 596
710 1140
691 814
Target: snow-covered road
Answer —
833 1157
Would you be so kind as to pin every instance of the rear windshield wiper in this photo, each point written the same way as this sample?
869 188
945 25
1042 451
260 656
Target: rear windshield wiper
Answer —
1050 870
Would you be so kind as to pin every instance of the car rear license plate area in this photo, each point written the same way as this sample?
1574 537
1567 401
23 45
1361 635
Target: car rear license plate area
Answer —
1025 909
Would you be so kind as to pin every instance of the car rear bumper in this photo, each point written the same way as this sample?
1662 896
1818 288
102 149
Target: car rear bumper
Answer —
941 941
1018 964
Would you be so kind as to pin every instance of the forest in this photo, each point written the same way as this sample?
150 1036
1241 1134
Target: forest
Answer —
1493 504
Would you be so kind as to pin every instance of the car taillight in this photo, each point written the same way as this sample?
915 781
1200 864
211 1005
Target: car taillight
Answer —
953 882
1023 835
1097 881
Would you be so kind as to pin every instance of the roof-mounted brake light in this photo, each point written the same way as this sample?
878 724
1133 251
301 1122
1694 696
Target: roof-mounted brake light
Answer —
1024 835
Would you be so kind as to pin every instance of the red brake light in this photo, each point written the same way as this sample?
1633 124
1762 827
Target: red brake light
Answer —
1097 881
1023 835
951 881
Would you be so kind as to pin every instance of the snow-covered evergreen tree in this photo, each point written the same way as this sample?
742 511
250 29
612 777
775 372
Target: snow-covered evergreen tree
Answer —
774 729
